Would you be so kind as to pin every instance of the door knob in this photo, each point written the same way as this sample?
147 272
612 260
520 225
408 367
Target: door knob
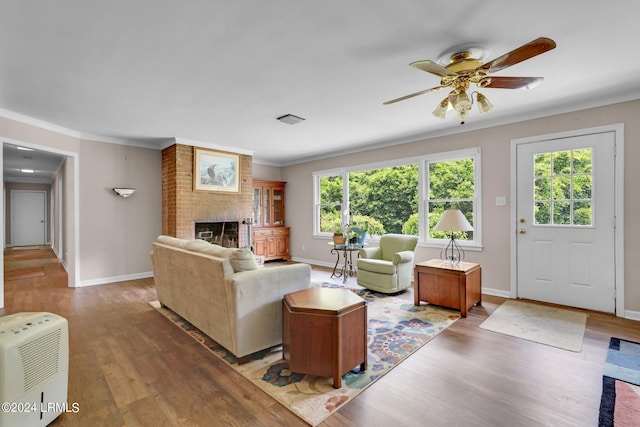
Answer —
522 231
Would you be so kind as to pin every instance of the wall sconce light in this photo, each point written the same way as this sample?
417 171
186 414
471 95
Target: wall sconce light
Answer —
124 192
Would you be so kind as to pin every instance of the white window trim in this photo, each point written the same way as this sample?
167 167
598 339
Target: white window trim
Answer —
422 162
316 199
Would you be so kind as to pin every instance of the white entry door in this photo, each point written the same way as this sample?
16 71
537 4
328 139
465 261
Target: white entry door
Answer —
28 216
566 221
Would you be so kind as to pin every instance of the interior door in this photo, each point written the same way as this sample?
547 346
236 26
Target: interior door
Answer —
28 215
566 221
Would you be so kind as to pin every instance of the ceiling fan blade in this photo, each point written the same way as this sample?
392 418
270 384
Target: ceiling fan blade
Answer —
402 98
433 68
524 52
510 82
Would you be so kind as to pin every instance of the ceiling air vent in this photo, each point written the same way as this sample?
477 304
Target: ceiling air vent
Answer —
290 119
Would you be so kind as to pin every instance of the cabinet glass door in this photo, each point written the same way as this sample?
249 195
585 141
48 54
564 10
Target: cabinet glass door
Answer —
257 214
266 205
278 206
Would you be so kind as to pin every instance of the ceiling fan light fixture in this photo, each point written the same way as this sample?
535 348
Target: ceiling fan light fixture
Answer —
460 101
441 110
462 116
484 106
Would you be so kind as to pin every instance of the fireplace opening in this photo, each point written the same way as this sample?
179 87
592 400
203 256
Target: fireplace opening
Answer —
224 233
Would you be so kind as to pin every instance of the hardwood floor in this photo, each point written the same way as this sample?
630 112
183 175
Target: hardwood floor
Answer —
130 366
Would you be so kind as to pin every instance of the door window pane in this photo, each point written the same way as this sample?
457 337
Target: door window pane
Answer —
562 188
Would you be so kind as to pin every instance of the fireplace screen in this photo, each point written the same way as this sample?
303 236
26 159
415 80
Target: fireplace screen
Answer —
221 233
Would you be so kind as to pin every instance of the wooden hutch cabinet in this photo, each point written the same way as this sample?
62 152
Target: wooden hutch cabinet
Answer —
270 236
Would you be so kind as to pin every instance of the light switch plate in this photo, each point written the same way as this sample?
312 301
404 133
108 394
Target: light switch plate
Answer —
501 201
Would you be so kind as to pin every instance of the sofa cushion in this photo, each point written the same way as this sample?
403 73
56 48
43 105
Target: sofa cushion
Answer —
243 260
204 247
172 241
197 245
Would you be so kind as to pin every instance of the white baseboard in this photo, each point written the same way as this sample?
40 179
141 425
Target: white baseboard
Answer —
314 262
628 314
107 280
488 291
632 315
496 292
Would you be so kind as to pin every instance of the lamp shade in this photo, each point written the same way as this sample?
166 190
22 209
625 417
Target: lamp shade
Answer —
484 106
441 111
453 220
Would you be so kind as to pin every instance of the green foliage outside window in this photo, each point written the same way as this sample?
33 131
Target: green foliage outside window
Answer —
451 186
388 195
330 203
387 198
562 187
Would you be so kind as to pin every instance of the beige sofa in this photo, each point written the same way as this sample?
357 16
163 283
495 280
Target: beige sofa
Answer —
223 293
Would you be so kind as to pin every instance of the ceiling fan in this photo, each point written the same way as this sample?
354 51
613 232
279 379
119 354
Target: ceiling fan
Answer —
464 70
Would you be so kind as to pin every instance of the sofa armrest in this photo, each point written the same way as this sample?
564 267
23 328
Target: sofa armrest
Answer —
252 289
371 253
254 301
404 256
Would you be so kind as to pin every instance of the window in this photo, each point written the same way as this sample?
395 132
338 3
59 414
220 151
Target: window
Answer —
404 196
329 195
451 186
562 186
385 198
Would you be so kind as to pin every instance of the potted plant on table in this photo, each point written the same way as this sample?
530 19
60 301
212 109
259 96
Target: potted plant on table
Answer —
338 236
363 226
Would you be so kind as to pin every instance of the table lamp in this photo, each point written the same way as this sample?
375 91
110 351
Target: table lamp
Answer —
451 221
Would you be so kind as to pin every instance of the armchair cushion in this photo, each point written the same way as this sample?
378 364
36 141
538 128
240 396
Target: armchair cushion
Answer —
370 253
377 266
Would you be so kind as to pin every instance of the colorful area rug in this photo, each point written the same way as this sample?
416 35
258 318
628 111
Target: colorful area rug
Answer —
543 324
397 329
620 402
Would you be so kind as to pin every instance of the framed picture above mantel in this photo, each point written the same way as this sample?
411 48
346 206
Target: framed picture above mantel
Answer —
216 171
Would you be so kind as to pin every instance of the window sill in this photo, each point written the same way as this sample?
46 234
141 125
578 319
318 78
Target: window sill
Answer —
473 248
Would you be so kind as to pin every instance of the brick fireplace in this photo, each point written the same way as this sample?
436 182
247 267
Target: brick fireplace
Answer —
182 207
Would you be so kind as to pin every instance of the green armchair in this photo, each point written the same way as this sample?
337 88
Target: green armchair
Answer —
389 267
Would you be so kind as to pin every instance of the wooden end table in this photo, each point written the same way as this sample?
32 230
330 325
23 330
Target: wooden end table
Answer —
324 332
449 285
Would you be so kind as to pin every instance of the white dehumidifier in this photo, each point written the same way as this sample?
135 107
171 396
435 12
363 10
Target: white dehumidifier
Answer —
34 368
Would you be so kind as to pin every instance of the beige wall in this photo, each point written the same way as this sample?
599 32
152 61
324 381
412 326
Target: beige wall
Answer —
115 234
266 172
496 145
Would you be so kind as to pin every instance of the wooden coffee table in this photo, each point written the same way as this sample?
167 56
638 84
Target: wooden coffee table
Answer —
324 332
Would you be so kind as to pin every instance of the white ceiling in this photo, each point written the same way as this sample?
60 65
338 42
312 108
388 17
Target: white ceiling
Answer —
220 73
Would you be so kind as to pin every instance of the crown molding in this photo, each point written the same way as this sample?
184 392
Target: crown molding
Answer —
21 118
184 141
